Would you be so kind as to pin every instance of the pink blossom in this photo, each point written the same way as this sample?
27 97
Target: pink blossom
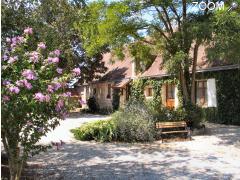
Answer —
20 39
6 98
28 30
67 94
14 89
81 101
29 74
14 40
55 60
39 97
50 89
21 82
49 59
57 85
59 105
24 83
57 52
76 71
28 85
12 59
59 70
34 56
41 45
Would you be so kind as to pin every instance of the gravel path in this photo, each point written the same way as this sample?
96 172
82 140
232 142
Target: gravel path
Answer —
213 156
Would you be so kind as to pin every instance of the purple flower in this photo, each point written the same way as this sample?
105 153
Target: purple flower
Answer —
12 59
28 85
20 39
28 30
5 57
59 70
41 45
55 60
34 57
49 59
14 40
21 82
39 97
67 94
24 83
29 74
59 105
14 89
57 85
57 52
50 89
8 40
76 71
6 82
6 98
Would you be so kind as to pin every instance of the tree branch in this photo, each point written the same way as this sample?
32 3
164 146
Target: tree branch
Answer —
161 32
178 18
168 19
162 19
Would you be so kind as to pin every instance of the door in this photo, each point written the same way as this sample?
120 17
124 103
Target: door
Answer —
170 95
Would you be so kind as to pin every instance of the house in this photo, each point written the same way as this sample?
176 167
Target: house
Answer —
116 78
121 73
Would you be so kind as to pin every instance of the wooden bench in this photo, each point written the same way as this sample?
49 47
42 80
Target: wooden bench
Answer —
167 128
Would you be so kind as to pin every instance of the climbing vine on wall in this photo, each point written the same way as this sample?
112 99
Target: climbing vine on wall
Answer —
228 97
137 90
227 89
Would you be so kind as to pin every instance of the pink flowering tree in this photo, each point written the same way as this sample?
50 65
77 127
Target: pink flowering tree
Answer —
33 100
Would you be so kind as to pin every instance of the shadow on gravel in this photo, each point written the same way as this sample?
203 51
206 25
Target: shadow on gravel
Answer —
91 160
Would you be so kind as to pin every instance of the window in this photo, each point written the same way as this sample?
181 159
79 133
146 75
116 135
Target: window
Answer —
170 95
149 92
201 93
170 91
109 91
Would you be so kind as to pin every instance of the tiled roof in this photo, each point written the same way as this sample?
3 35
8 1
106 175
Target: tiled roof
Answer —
156 69
121 71
117 70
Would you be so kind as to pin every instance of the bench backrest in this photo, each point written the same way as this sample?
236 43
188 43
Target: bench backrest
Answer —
162 125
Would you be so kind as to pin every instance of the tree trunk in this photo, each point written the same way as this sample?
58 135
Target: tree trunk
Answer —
14 160
195 53
183 84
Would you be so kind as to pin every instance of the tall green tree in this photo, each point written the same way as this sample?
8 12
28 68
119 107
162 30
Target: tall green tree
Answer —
174 29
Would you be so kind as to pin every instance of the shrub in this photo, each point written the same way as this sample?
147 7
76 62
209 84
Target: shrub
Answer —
92 104
134 123
192 114
33 97
101 130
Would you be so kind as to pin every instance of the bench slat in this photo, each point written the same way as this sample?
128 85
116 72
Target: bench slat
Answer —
170 132
163 127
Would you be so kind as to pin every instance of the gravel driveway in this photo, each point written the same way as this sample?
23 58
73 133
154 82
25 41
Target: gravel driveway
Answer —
212 156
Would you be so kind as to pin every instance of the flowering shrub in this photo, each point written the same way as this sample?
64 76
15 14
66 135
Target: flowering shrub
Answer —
33 98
